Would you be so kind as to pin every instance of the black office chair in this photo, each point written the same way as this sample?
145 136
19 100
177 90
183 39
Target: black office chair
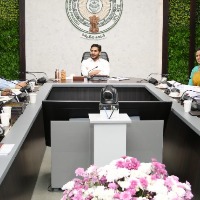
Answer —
103 55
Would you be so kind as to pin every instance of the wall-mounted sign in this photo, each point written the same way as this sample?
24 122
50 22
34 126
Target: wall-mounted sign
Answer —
94 17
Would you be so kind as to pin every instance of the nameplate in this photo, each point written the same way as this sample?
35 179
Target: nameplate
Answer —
78 78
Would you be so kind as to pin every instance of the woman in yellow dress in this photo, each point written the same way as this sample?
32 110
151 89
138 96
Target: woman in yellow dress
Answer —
195 73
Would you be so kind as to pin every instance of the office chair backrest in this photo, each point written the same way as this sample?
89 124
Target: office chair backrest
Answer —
103 55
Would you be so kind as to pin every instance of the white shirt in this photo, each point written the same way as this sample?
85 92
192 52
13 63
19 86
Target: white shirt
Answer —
101 64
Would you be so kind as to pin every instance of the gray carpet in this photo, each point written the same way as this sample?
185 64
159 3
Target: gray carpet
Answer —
43 181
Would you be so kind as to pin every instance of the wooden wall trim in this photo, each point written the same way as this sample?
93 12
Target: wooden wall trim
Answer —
165 37
22 56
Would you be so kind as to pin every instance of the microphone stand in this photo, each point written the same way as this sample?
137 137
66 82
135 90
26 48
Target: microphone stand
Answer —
42 79
38 73
32 75
183 95
152 80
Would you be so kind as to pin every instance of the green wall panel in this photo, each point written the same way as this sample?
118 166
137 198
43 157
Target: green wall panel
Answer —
9 39
178 40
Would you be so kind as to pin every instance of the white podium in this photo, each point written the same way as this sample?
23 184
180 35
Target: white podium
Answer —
109 137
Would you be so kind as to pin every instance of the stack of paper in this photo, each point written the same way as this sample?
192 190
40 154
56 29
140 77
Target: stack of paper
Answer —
118 78
5 149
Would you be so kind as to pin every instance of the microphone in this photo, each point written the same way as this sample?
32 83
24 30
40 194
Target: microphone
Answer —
38 73
35 80
195 104
154 81
41 80
184 96
171 88
88 77
164 75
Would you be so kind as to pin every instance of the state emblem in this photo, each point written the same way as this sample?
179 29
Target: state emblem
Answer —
94 17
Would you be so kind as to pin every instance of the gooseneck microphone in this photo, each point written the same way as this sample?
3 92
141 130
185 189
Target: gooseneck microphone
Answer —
164 75
184 96
38 73
88 77
41 80
172 88
32 75
153 80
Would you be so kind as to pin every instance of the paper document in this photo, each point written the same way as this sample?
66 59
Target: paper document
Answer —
5 149
16 91
118 78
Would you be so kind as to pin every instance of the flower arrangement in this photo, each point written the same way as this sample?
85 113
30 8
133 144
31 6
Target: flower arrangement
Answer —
126 179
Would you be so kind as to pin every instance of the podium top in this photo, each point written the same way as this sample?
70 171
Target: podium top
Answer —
121 118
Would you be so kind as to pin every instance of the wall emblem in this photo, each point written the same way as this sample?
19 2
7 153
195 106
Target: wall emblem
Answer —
94 17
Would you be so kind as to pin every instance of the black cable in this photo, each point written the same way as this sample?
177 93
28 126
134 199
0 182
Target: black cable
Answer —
111 114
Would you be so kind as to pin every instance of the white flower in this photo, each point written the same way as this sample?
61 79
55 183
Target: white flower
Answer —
172 195
161 196
68 186
158 187
102 171
137 174
107 195
145 168
116 174
88 192
179 191
98 190
91 169
187 186
124 184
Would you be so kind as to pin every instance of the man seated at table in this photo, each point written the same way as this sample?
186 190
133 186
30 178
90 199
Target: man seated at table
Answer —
6 92
95 65
6 86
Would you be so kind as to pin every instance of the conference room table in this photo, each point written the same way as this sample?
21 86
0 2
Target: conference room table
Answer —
19 170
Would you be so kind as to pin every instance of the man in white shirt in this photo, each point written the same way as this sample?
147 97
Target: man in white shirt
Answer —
95 65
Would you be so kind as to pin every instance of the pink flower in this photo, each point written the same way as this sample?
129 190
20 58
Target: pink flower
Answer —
125 195
133 184
133 163
120 164
129 163
159 170
79 172
124 157
131 191
78 195
113 186
144 182
136 162
128 185
188 195
103 180
169 183
116 196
